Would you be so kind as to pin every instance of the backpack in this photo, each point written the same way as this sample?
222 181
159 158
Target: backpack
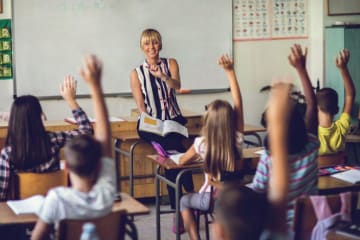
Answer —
325 218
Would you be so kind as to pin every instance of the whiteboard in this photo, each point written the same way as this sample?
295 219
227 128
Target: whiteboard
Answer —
50 38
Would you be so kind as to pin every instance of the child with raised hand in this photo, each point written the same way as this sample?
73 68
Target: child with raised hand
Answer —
242 213
332 133
302 144
297 59
91 170
219 147
28 146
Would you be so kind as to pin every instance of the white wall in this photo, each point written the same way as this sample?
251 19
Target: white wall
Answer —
257 63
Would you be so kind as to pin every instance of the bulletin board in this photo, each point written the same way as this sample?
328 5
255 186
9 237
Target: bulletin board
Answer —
51 37
5 49
269 19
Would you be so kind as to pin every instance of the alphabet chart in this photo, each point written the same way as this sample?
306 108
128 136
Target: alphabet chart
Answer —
269 19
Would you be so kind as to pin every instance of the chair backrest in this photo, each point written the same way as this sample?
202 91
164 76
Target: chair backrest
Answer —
305 218
110 227
331 159
26 184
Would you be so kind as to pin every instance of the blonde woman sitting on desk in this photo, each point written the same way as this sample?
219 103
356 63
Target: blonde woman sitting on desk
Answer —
153 85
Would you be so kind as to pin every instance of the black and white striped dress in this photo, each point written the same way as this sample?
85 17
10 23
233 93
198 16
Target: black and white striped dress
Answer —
160 100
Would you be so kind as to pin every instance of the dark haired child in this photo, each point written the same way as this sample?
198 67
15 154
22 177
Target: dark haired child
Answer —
332 133
28 146
91 170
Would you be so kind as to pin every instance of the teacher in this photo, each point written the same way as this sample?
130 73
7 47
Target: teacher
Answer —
153 85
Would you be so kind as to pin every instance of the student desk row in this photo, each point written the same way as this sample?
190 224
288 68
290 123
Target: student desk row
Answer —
326 184
132 206
126 141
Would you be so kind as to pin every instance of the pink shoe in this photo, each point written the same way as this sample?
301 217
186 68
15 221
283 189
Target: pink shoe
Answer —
181 227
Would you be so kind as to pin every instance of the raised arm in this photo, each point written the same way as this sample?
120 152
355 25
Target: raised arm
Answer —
91 73
341 62
227 64
297 59
277 118
68 91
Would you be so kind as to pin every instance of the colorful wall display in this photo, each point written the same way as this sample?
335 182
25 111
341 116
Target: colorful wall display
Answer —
269 19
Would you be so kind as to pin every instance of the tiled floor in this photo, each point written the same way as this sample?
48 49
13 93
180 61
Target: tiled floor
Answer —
146 225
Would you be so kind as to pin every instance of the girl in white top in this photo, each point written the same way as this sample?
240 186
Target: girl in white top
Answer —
219 147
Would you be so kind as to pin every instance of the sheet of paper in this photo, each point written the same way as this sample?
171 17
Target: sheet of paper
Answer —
176 157
27 205
260 152
352 176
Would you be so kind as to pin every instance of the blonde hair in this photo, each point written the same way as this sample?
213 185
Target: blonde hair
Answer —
219 133
150 35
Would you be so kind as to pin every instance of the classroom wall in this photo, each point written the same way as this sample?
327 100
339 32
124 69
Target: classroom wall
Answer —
256 62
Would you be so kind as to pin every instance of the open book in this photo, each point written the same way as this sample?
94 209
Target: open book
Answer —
72 120
27 205
160 127
352 176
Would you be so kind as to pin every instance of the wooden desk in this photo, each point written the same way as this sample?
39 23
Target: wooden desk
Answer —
132 206
126 145
331 185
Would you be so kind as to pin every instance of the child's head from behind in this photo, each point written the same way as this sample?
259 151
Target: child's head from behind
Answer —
150 35
25 110
327 101
83 154
240 212
219 132
26 133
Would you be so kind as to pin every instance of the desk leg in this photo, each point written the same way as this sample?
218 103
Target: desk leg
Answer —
157 202
131 170
117 166
177 200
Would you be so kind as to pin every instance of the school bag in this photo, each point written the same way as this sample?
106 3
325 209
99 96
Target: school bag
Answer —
326 219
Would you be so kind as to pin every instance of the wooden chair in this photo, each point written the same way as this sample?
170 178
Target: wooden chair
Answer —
26 184
331 159
111 227
305 218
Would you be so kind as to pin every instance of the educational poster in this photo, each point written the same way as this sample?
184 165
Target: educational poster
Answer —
269 19
251 18
5 49
289 18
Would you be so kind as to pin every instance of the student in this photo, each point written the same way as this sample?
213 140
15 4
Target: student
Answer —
241 213
28 146
332 133
153 86
302 143
91 170
219 146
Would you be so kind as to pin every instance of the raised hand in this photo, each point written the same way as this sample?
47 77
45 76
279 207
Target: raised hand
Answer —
91 70
226 62
297 57
342 58
68 91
